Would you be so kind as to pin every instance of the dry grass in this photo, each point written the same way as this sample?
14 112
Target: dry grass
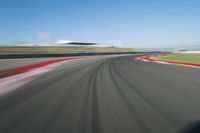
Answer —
192 58
61 49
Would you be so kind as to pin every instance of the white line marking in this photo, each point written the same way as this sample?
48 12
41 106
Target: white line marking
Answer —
13 82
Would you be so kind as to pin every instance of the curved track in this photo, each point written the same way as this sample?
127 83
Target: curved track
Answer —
104 95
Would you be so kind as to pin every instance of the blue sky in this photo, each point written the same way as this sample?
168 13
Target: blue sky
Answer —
135 23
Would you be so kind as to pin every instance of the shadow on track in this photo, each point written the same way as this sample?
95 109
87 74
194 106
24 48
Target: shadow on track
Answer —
192 128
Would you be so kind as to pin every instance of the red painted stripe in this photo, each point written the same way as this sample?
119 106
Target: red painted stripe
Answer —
175 62
152 59
21 69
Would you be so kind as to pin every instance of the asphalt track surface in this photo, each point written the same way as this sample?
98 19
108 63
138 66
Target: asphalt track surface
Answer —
105 95
11 63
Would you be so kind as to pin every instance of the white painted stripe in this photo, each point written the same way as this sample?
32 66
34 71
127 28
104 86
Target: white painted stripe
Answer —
13 82
168 63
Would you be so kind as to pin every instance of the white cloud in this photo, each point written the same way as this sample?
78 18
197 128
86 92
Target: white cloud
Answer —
63 41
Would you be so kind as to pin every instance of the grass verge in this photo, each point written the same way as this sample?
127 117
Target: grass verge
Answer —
61 49
191 58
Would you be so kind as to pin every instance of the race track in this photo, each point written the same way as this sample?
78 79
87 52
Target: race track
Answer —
105 95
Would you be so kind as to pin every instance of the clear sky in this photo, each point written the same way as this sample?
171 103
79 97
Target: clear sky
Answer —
135 23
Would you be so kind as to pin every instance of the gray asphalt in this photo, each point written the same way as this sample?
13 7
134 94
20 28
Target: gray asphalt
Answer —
11 63
105 95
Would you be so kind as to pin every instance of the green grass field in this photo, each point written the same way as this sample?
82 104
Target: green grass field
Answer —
60 49
192 58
